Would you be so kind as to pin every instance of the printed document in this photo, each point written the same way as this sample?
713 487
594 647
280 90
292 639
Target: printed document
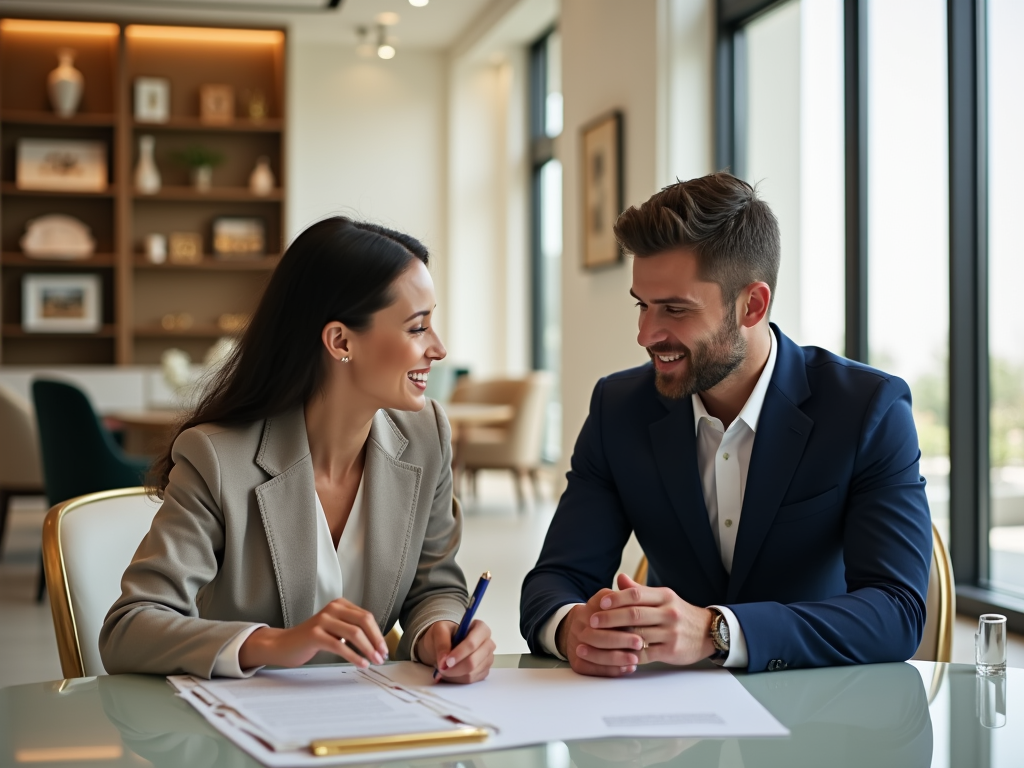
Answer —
276 714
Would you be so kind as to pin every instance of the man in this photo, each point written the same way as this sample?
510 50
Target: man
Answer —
774 488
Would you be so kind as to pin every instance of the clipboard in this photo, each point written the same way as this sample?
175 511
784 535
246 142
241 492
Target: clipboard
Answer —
326 747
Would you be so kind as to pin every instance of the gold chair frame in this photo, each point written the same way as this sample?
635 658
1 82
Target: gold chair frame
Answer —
69 647
947 595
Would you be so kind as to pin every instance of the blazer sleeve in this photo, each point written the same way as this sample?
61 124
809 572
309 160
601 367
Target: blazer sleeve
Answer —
438 591
584 543
887 550
154 627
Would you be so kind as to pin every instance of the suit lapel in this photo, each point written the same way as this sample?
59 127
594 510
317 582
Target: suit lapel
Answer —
782 433
287 505
392 489
675 451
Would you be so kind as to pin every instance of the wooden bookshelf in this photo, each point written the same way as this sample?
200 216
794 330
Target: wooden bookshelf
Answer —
137 293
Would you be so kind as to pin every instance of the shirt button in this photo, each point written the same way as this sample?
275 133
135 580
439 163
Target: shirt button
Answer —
728 523
725 456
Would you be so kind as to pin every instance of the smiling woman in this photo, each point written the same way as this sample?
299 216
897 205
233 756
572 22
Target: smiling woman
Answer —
307 499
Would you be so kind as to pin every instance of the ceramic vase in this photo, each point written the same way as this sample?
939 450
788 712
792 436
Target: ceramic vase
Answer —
65 84
147 175
202 178
261 180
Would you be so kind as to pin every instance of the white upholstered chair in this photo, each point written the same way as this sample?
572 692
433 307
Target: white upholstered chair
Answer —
87 544
21 472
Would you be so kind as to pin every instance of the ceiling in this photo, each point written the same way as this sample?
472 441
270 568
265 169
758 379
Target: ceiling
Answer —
438 25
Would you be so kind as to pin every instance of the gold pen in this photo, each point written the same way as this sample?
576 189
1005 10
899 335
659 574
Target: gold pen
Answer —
325 747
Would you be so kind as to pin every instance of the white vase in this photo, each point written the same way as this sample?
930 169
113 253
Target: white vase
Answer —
147 175
65 84
261 180
202 178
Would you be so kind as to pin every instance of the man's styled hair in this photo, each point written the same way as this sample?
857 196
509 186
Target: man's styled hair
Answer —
732 231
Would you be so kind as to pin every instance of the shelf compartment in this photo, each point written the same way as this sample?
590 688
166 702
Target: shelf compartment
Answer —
97 260
263 264
10 189
201 331
194 124
15 331
34 117
214 195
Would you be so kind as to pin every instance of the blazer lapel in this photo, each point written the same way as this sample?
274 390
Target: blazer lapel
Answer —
675 452
287 505
782 433
392 489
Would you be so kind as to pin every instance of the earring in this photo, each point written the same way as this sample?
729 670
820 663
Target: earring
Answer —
344 359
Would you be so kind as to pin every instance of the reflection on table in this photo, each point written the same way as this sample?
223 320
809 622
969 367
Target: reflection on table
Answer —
918 714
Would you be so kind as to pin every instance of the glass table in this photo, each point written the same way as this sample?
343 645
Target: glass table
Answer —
914 714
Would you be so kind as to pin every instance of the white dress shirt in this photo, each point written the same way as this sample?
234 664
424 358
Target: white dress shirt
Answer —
339 573
723 458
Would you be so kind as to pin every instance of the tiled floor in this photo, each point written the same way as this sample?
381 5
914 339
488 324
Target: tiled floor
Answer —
498 537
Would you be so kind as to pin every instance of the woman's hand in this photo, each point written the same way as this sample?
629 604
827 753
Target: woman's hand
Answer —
342 628
468 662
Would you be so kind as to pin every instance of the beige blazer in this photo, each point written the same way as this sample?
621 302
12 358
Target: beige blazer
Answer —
234 542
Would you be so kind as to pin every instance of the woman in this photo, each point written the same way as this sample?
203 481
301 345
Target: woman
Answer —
307 500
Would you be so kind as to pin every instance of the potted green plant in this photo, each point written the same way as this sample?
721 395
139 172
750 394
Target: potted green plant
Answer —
200 161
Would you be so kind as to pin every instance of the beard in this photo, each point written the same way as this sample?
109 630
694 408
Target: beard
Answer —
711 360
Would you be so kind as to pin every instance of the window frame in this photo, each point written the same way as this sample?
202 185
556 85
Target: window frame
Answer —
969 504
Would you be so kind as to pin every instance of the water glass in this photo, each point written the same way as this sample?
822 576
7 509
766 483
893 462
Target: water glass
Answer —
990 644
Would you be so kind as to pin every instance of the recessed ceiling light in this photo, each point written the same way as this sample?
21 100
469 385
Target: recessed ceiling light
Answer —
388 18
418 3
386 51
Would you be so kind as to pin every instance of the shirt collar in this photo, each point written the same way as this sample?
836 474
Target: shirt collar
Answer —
751 411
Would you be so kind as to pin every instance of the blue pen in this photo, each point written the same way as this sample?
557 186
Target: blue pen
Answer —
467 617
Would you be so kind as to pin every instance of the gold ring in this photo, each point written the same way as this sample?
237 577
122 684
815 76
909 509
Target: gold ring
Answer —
645 644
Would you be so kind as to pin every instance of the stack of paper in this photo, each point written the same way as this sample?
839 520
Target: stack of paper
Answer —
276 715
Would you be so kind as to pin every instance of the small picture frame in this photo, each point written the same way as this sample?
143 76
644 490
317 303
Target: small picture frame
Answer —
185 248
237 237
602 190
58 165
152 100
216 104
67 303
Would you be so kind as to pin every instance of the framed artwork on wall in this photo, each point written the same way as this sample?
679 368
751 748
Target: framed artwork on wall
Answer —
58 165
602 189
61 303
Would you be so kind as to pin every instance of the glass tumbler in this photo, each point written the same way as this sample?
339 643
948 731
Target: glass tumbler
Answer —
990 644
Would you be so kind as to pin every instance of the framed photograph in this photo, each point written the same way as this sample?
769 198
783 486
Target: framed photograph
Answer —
56 165
185 248
216 104
61 303
237 237
602 190
152 99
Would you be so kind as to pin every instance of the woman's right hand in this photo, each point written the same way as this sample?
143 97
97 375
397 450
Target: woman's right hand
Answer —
341 628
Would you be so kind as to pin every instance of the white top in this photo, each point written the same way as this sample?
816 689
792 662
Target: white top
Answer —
339 573
723 458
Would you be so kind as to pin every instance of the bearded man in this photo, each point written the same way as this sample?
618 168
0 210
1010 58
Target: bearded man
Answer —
774 488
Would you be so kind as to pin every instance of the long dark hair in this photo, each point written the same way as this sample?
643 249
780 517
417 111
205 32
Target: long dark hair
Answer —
337 270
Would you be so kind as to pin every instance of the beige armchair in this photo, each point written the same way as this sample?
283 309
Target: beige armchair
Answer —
21 472
515 446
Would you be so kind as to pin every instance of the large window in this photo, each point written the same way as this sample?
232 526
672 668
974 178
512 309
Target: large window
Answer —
546 125
792 149
932 120
908 215
1006 277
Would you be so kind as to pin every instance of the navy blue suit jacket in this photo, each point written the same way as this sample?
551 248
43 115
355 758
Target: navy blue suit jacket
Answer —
834 544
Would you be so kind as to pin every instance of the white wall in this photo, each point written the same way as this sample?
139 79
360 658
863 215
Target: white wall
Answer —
367 138
616 55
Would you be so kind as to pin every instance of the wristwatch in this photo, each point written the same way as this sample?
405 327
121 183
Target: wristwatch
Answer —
719 634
